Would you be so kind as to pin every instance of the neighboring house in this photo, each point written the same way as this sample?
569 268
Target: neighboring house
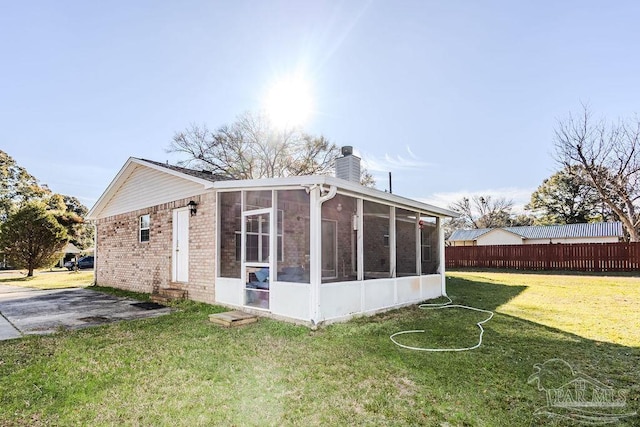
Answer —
70 252
599 232
71 249
311 249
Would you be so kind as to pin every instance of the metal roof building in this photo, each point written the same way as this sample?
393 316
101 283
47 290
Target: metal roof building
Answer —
600 232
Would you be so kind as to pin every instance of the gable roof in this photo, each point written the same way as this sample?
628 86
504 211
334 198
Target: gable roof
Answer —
460 235
597 229
187 182
130 191
71 249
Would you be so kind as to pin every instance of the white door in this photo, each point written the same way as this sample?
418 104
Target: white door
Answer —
256 244
181 245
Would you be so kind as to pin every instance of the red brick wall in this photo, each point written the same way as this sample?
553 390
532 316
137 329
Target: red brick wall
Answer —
346 234
294 205
376 250
429 236
202 250
230 222
123 262
405 246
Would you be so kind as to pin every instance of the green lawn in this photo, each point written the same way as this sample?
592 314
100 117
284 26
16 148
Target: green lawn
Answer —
182 370
596 307
46 279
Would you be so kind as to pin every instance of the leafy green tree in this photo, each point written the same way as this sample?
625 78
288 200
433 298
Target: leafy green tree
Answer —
567 197
32 238
16 186
252 148
83 233
70 212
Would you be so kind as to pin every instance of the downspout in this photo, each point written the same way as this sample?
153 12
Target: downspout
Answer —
95 253
441 268
330 195
315 251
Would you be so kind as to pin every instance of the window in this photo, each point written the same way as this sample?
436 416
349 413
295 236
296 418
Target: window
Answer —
426 253
339 239
376 227
385 236
406 251
145 221
430 245
229 214
258 239
329 249
293 225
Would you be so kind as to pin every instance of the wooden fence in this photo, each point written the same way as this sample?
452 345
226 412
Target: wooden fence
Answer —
596 257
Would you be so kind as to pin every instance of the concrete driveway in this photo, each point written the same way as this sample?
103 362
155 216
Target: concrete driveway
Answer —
28 311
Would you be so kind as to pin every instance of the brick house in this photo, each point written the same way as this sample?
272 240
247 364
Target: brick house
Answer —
339 249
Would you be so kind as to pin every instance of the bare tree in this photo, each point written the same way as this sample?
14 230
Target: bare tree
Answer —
609 153
482 212
251 148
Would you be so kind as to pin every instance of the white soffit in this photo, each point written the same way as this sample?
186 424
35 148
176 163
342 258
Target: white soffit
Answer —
343 186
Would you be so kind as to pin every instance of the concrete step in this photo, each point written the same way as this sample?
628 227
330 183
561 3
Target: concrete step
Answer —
166 295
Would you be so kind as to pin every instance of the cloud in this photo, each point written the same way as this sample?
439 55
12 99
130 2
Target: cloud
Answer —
396 162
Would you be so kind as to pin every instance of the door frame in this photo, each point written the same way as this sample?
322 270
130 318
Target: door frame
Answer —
243 251
175 247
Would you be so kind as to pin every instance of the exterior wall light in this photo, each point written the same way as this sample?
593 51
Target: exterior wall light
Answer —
192 207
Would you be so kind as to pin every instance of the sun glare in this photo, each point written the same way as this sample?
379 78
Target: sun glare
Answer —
289 102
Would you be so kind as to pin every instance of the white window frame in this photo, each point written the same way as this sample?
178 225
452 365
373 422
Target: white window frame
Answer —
279 238
141 229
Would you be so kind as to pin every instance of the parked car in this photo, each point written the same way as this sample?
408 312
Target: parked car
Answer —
69 265
85 262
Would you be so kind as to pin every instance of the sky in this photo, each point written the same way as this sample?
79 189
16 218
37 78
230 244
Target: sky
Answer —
454 98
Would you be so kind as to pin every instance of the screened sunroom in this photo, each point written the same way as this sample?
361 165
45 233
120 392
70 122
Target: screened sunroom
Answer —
320 249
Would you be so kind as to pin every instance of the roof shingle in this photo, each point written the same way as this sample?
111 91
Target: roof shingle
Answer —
202 174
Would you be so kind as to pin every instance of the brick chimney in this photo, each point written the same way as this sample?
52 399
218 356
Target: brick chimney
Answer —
348 165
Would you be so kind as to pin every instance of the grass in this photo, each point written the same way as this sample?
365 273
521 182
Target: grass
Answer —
181 369
46 279
601 308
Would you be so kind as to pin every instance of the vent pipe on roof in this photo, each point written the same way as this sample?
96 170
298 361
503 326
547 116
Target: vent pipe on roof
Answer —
348 165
